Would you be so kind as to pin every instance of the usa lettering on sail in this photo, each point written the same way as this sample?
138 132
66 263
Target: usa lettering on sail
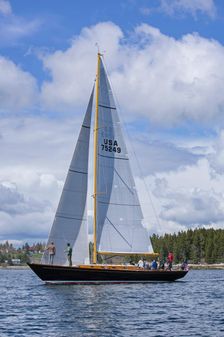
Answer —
110 145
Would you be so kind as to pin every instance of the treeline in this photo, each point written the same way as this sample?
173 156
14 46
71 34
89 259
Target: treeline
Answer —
197 246
8 252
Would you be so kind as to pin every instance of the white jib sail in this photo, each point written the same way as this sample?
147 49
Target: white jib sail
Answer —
70 223
119 214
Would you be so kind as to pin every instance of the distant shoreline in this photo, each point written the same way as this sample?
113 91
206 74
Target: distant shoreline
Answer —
206 266
14 267
217 266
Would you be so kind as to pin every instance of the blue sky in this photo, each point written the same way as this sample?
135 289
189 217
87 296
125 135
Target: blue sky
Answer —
165 60
54 24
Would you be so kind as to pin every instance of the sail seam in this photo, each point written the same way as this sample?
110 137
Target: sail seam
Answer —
101 155
81 172
69 217
84 126
107 107
113 203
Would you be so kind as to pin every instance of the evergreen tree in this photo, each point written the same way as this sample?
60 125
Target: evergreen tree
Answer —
197 246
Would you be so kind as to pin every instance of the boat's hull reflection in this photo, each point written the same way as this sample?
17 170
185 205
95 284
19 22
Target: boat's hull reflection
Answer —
96 275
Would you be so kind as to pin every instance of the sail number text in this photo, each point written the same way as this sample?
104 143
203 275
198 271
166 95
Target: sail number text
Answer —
110 145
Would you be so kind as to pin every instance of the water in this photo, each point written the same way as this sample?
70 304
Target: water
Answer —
193 306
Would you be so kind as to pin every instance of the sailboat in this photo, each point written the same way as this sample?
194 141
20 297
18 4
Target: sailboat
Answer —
117 220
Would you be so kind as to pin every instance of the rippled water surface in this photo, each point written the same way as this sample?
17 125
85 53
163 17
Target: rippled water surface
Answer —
191 307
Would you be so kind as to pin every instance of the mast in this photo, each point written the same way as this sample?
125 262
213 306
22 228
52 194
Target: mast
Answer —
95 161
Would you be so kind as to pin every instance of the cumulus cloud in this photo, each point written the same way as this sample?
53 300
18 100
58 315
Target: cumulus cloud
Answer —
13 28
160 156
187 198
161 79
37 144
192 207
21 215
34 159
73 71
34 168
216 158
166 80
18 89
171 80
5 7
192 7
13 202
27 226
27 210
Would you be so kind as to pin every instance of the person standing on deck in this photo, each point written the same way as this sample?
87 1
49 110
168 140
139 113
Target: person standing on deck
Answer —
51 251
68 251
170 260
140 263
161 264
184 265
154 265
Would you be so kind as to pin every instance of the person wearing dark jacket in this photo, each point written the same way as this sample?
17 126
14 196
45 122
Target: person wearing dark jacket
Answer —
68 251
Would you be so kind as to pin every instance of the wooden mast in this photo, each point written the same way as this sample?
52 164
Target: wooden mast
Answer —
95 161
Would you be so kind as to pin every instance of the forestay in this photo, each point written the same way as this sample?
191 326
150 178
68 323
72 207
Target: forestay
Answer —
119 215
70 223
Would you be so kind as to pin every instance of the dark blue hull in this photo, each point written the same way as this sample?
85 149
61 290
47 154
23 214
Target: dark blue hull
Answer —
64 274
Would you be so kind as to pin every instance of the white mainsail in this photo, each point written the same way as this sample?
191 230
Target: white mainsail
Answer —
70 223
119 215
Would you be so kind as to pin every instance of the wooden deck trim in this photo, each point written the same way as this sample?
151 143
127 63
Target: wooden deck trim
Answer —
127 254
110 266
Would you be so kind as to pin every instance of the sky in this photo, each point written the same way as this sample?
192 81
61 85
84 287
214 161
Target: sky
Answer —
165 62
